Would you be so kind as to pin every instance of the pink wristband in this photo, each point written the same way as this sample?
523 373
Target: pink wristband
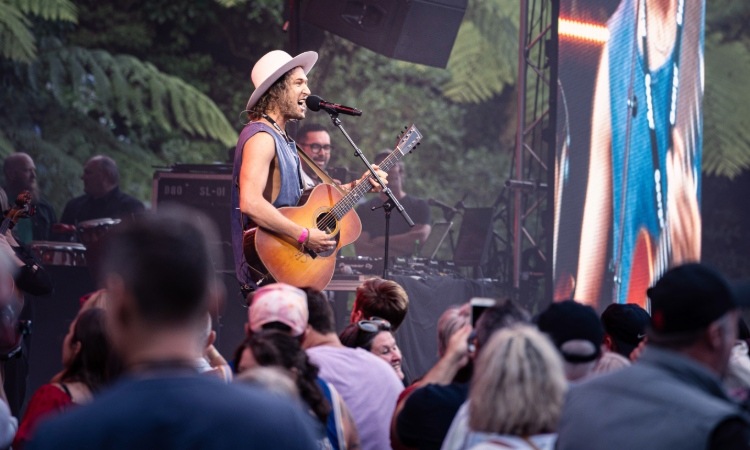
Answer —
303 237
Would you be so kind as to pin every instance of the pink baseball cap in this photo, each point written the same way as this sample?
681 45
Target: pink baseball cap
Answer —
279 302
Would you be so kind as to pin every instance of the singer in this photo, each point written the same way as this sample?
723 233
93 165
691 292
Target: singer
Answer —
267 173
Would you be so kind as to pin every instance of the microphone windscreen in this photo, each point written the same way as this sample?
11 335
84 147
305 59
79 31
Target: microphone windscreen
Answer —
313 102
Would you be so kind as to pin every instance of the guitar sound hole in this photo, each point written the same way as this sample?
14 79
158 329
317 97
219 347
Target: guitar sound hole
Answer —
327 222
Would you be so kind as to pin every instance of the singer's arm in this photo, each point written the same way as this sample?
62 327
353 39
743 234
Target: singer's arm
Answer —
257 155
597 211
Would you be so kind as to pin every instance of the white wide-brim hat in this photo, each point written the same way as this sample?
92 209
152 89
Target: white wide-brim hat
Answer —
272 66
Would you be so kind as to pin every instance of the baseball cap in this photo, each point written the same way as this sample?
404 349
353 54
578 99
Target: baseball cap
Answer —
626 325
281 303
569 321
689 297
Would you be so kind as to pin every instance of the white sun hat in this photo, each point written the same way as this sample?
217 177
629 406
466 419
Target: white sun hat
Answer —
272 66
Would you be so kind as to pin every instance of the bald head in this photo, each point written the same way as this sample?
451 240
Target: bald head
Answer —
100 176
20 172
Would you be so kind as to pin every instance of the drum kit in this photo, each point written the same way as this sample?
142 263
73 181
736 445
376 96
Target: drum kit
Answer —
68 253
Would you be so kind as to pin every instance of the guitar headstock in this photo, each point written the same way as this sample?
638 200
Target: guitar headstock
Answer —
409 139
23 199
22 207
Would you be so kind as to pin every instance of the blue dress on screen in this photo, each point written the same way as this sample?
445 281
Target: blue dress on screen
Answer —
638 191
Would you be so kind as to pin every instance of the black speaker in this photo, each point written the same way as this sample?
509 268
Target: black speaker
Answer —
419 31
207 188
474 237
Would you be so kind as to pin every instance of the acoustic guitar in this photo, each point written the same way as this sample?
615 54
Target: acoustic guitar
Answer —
11 299
273 257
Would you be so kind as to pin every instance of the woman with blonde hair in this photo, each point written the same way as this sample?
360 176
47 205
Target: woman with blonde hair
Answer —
517 391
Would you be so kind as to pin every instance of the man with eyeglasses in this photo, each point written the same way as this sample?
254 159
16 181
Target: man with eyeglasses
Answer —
315 141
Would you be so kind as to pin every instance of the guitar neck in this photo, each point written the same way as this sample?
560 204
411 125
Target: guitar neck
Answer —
352 198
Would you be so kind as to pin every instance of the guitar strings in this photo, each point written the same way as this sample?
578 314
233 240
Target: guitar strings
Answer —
331 217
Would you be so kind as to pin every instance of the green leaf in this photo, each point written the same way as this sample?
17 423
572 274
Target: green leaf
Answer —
94 81
726 137
16 39
62 10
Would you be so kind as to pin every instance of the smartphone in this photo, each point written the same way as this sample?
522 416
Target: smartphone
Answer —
478 305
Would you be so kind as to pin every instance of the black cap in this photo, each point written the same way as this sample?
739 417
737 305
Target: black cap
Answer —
626 325
569 321
689 297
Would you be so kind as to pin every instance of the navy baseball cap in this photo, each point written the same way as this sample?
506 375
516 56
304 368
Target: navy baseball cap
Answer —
568 321
625 323
691 296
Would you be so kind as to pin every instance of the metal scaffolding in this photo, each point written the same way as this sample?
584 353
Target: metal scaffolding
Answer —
532 171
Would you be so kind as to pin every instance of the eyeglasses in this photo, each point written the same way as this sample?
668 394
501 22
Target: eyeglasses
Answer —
374 324
316 148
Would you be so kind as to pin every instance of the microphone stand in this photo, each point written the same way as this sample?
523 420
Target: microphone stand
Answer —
387 208
389 204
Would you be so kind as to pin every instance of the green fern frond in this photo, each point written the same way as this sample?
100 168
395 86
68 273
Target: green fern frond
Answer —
62 10
726 137
75 62
95 81
157 96
16 40
483 60
120 89
176 107
476 72
101 81
187 105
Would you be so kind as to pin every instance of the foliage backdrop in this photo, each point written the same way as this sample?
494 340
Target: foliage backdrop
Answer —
158 82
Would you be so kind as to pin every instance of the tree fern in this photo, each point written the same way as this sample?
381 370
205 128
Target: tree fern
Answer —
62 10
483 60
94 81
726 134
16 39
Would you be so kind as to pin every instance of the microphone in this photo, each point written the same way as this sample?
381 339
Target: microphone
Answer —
441 205
316 103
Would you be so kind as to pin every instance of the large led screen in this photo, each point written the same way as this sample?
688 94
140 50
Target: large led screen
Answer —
629 133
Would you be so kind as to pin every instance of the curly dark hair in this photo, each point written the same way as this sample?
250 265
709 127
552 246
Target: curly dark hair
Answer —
272 95
276 348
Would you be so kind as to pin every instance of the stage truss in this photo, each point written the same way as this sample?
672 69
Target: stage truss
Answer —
532 172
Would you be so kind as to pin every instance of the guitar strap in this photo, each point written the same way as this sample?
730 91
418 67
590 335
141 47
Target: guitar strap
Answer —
318 171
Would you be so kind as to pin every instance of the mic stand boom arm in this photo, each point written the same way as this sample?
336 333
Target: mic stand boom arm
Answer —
394 203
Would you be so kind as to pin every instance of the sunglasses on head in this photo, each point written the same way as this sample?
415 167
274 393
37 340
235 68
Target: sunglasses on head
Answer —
374 324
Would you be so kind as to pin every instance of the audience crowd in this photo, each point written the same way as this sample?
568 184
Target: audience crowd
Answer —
139 368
